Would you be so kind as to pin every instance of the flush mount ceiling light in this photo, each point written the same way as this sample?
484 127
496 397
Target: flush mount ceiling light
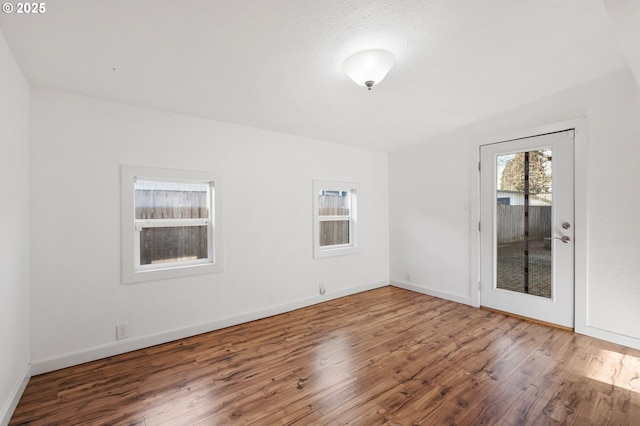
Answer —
369 67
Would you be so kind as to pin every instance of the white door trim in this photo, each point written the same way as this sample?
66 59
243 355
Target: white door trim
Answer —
580 125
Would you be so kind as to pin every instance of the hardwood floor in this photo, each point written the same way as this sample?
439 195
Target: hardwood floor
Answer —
386 356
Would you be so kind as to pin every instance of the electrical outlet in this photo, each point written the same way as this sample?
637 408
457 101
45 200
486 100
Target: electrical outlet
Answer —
322 289
122 331
408 277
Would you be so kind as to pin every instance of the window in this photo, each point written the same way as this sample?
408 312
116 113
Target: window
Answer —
171 223
335 218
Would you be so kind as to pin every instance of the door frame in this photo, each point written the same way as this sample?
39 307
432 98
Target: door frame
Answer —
580 126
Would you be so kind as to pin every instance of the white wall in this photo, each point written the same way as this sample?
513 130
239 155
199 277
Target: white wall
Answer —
78 145
431 195
625 20
14 232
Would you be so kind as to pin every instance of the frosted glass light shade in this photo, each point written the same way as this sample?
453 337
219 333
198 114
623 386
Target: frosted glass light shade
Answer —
369 67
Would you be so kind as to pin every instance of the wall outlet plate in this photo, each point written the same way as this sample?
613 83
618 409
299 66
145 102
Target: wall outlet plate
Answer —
122 331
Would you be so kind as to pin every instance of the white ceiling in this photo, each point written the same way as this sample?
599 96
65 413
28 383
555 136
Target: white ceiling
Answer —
276 64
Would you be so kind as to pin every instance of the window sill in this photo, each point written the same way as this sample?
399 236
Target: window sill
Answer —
321 253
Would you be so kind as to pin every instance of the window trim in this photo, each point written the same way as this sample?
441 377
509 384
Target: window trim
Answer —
132 271
352 247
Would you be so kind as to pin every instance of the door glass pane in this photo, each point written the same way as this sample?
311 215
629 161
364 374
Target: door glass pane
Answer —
523 222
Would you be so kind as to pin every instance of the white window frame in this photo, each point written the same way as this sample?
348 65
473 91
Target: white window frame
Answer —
352 247
132 270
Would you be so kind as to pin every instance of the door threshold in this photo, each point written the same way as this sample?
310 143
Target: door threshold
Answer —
509 314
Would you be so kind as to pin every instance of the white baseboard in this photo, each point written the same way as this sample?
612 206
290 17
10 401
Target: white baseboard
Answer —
14 397
431 292
612 337
123 346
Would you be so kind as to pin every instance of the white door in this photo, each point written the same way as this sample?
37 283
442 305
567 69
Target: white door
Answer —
526 227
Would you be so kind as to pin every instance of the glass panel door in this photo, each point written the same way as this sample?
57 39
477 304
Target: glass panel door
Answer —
526 232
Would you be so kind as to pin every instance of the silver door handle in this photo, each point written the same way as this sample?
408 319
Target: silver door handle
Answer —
565 239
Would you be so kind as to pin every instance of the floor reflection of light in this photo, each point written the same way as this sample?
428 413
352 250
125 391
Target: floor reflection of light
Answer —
616 369
332 356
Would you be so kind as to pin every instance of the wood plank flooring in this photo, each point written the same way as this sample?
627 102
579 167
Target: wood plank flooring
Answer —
386 356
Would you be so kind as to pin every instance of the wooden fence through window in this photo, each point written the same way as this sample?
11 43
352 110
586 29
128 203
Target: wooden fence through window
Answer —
510 223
